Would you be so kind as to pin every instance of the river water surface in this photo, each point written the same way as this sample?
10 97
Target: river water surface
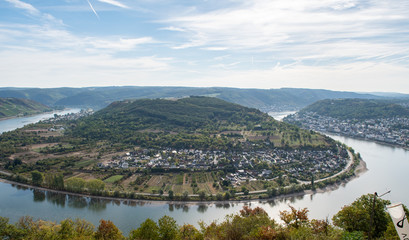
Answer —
387 171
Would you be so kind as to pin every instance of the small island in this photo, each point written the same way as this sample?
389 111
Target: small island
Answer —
193 148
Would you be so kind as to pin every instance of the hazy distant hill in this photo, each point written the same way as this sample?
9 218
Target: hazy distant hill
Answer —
357 109
99 97
10 107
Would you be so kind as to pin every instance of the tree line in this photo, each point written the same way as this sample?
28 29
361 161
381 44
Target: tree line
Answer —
351 222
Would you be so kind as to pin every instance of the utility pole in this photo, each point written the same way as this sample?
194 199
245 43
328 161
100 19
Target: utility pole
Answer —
375 195
372 216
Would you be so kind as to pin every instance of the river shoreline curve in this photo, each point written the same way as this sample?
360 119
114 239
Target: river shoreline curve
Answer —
359 170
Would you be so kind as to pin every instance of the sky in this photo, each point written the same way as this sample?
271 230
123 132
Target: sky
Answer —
346 45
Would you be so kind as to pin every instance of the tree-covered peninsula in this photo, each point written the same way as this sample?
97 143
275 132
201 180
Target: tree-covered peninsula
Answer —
194 148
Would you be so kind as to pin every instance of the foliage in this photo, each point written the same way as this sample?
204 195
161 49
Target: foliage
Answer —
357 216
357 109
168 229
189 232
10 107
194 122
148 230
294 218
75 184
108 231
54 181
37 178
248 224
95 185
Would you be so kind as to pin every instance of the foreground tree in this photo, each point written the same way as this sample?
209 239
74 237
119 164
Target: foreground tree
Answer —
246 225
108 231
168 229
294 218
189 232
148 230
357 216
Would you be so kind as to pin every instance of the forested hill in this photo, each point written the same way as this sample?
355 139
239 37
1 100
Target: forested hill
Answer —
99 97
193 122
357 109
11 107
191 113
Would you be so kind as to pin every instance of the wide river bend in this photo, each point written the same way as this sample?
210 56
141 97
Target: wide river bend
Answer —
387 166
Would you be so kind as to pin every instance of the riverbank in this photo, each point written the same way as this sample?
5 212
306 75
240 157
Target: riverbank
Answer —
359 170
366 139
31 114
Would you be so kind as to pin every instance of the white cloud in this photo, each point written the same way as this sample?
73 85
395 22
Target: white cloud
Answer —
171 28
335 44
216 48
51 37
26 6
312 27
115 3
122 44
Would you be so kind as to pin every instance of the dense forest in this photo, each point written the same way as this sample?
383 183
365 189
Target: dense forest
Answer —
359 109
193 122
11 107
351 222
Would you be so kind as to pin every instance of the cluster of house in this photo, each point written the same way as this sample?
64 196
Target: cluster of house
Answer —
242 165
389 130
70 116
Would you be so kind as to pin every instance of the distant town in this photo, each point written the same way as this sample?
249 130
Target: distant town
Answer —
386 130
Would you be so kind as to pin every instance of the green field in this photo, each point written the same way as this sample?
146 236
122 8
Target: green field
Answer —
113 179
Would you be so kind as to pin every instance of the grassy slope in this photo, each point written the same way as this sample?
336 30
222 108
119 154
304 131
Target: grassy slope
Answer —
10 107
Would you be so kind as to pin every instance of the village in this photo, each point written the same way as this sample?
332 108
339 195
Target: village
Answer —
244 166
388 130
70 116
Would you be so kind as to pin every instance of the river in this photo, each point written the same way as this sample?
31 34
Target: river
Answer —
387 170
13 123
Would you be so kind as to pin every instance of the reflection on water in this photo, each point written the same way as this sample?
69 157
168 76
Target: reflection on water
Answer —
20 187
202 208
73 201
77 202
97 205
56 198
38 195
223 205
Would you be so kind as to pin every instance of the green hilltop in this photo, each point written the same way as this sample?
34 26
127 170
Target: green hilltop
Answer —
194 122
11 107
